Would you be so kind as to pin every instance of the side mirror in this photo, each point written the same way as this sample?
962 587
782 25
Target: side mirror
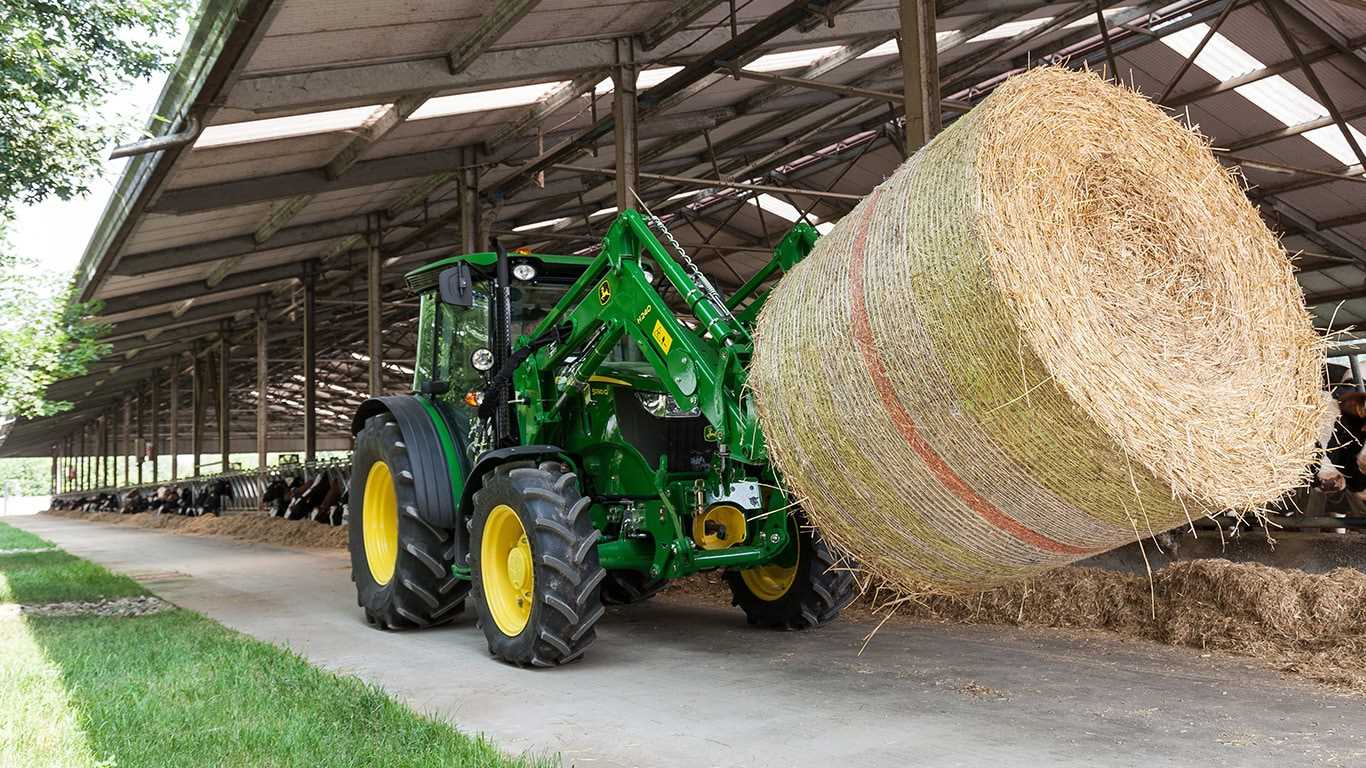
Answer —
456 285
435 388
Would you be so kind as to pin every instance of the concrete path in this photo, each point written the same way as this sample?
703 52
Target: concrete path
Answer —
673 684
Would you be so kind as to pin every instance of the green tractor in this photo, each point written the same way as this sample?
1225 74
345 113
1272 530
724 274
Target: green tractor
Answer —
571 442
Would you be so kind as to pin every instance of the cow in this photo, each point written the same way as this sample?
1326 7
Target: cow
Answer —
133 503
329 510
304 505
209 500
1342 462
280 494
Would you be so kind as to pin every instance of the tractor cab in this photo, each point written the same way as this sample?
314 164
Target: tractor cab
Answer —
458 352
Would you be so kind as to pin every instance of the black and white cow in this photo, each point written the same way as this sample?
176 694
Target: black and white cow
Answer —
1342 464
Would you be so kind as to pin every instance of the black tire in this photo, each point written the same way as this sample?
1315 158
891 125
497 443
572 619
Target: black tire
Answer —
626 587
818 590
564 596
421 592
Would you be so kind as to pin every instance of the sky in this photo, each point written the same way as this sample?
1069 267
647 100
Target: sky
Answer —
55 231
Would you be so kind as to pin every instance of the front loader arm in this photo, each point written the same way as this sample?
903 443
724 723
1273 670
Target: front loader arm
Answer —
703 368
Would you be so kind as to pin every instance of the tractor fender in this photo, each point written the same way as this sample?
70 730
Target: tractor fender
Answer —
490 459
431 468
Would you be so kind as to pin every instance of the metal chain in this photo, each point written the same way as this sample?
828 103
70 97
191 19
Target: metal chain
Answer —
698 276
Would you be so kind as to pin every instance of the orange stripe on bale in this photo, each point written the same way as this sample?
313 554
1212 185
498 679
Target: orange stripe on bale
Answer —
905 423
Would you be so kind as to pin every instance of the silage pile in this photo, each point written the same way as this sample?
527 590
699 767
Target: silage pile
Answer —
1058 328
261 529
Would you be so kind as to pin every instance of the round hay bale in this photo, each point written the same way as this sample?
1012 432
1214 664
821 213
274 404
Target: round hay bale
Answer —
1057 328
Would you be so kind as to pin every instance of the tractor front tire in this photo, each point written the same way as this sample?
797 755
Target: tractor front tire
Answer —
535 567
401 564
796 592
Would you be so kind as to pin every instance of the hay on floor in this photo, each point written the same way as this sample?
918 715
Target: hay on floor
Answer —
258 528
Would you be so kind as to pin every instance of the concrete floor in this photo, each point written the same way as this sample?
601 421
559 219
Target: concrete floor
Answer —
670 683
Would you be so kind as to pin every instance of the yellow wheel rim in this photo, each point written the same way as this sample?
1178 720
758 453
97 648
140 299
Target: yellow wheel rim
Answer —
770 582
507 570
379 523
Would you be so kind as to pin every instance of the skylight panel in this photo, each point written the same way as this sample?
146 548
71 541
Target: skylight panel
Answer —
484 101
1224 60
285 127
540 225
775 62
824 227
1010 29
890 48
776 207
1089 20
645 79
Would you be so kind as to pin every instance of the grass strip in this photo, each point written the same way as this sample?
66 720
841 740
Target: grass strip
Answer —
176 689
14 538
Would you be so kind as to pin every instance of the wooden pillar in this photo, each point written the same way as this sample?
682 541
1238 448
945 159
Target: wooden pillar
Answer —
174 444
624 117
310 361
375 313
198 406
467 191
262 369
140 443
223 407
103 479
920 70
127 447
56 467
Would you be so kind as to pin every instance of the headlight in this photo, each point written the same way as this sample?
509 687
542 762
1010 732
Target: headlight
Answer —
524 272
482 359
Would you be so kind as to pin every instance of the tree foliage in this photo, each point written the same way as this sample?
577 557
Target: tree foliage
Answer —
59 62
44 334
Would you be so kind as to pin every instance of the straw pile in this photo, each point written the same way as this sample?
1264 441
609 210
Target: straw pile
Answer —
259 529
1058 326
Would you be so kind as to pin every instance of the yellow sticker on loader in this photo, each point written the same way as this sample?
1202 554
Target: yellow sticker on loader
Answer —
604 293
662 337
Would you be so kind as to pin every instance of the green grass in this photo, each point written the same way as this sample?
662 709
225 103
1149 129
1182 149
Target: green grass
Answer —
13 538
176 689
56 576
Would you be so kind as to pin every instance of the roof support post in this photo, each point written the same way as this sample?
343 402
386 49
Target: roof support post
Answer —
624 123
153 449
223 407
467 195
141 440
374 292
198 406
174 449
103 452
920 70
310 361
262 368
127 447
52 473
114 447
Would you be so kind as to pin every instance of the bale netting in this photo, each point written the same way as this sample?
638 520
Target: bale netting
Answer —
1058 327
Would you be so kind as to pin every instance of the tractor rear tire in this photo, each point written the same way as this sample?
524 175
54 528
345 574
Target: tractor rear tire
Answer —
807 594
626 587
401 564
534 565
